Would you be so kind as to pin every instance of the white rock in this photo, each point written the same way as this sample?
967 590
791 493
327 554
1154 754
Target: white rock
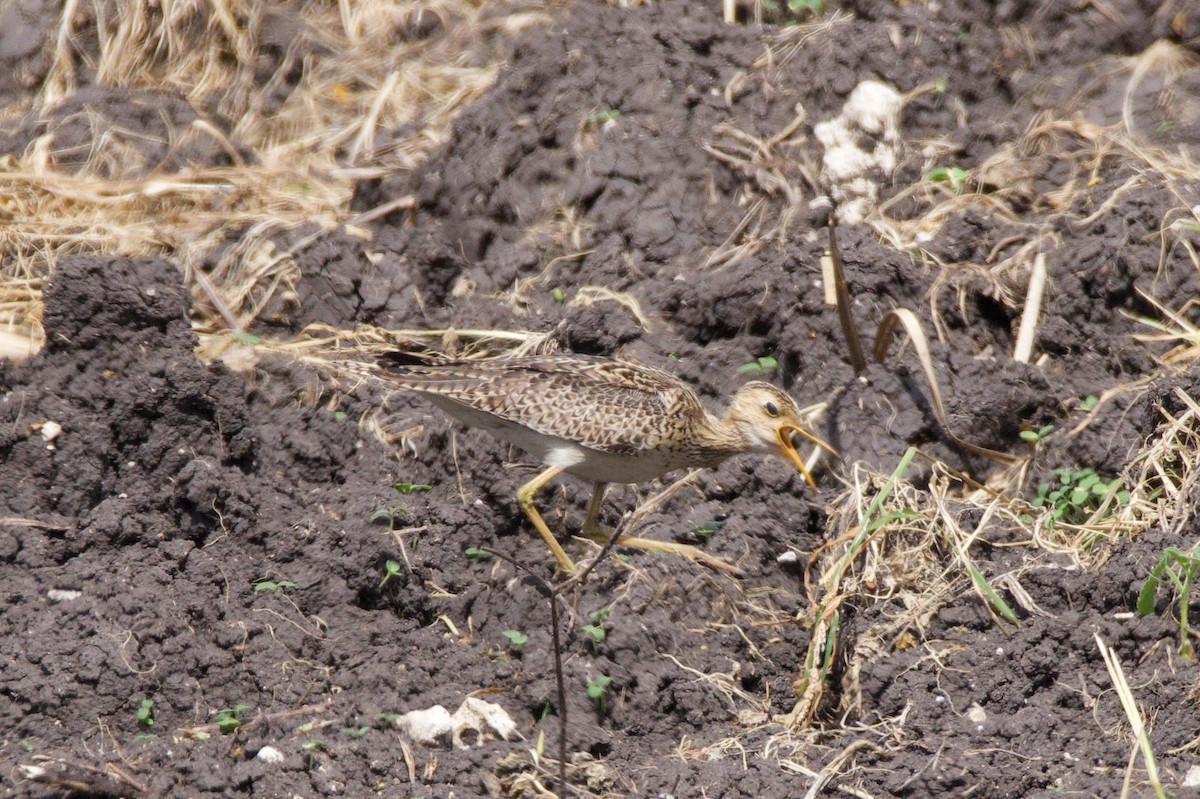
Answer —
431 727
51 431
875 107
850 170
269 754
478 717
474 722
63 594
1192 778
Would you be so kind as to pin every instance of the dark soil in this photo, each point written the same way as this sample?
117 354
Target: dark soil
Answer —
217 534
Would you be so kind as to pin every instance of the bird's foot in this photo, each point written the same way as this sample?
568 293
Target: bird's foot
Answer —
694 554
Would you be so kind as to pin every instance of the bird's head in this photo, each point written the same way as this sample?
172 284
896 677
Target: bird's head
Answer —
769 421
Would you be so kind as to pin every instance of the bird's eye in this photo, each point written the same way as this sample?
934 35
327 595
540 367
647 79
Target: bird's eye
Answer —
771 408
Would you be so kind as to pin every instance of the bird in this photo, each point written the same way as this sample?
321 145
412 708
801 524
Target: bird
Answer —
606 421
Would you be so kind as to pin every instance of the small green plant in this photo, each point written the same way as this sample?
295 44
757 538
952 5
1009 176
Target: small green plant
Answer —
597 691
1034 437
229 719
1088 402
603 116
955 176
391 570
389 515
340 416
356 732
758 366
273 585
558 295
806 6
248 339
145 713
310 752
388 719
517 639
406 488
939 85
1076 495
705 531
596 632
1180 568
476 552
26 744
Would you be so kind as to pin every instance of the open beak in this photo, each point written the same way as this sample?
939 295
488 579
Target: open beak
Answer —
786 434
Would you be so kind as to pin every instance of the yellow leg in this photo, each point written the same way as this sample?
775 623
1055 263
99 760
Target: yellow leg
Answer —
525 500
593 530
591 527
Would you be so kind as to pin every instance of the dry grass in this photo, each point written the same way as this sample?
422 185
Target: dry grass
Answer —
773 188
900 553
344 361
340 78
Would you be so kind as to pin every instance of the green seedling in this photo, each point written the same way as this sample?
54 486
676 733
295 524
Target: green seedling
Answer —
310 752
389 515
1180 568
595 632
806 6
388 719
601 117
26 744
558 295
229 719
273 585
955 176
1088 402
476 552
597 691
758 365
145 713
391 570
356 732
705 531
517 638
340 416
246 338
1076 495
1034 437
406 488
939 85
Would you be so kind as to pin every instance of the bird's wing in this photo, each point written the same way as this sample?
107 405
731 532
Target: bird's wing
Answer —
606 405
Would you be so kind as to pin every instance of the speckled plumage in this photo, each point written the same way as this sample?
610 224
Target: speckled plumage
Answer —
604 420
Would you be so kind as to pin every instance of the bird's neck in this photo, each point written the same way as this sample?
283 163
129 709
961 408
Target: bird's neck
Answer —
721 439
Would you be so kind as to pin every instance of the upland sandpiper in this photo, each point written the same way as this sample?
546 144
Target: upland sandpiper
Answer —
606 421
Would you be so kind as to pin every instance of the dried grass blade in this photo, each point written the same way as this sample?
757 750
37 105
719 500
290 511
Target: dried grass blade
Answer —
1132 713
1033 310
912 325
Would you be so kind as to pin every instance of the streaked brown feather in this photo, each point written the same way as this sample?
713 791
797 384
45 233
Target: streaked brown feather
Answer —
611 406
